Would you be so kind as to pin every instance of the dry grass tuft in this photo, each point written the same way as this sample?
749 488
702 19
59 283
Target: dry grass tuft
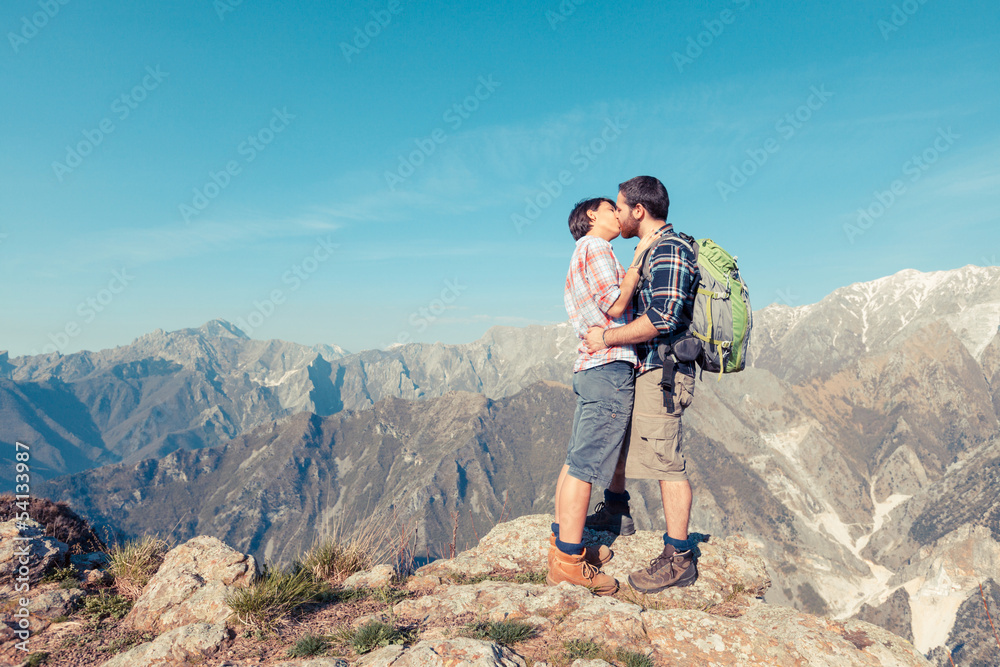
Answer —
134 563
349 549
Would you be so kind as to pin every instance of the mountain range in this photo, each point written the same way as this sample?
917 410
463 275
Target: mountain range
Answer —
859 450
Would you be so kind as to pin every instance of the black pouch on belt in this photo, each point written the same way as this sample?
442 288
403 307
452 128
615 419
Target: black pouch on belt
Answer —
686 348
666 353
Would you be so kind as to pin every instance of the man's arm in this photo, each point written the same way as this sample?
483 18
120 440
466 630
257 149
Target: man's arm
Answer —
638 331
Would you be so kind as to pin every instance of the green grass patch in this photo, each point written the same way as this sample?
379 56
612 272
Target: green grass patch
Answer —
584 649
105 604
36 659
308 645
633 659
62 574
463 579
502 632
376 634
530 578
274 596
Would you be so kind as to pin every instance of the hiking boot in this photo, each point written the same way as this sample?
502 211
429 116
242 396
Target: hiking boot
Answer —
596 557
576 570
613 518
670 568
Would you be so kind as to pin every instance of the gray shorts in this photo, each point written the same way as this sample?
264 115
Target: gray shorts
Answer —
603 408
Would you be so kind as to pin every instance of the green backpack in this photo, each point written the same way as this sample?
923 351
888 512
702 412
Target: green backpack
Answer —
722 317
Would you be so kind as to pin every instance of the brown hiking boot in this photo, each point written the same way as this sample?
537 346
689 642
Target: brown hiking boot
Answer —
596 557
576 570
670 568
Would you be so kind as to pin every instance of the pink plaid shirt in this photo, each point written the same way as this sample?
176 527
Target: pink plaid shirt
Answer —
592 287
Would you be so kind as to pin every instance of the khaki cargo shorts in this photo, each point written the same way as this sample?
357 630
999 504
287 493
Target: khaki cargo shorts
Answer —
654 437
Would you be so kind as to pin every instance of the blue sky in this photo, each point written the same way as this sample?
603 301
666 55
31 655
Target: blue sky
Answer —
167 164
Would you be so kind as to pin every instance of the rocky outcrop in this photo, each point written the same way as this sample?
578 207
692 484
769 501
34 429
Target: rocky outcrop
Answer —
191 585
26 553
377 577
187 645
522 545
719 620
445 653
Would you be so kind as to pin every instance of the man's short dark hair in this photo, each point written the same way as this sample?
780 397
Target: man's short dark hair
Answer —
579 223
649 192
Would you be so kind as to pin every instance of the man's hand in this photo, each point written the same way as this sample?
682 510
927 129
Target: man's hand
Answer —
594 339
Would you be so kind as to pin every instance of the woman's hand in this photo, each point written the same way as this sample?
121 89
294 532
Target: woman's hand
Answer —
643 244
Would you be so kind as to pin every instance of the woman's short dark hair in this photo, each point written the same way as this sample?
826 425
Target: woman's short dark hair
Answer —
649 192
579 223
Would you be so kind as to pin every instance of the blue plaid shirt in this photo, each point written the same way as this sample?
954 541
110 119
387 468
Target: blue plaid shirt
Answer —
668 298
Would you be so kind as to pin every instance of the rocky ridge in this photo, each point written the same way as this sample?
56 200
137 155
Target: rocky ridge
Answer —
719 620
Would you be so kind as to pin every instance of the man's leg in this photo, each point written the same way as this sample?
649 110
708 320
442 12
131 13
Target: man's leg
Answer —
676 508
655 453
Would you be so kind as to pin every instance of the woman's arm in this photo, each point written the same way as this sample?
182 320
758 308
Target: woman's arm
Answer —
629 283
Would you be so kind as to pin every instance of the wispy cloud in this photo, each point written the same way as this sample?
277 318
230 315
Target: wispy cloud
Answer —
137 246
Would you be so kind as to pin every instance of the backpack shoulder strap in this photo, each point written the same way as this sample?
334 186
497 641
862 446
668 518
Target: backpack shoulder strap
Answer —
647 258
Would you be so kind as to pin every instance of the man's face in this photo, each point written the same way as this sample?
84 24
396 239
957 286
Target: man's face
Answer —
627 222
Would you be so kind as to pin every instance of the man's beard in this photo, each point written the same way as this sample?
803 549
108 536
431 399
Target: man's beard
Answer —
629 227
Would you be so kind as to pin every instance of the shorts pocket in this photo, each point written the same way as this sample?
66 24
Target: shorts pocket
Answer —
660 434
685 389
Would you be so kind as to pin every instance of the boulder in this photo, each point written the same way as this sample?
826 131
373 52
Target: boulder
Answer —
377 577
27 540
724 565
445 653
54 603
90 561
187 645
191 585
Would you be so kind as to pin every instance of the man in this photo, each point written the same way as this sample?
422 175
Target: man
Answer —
653 447
598 294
